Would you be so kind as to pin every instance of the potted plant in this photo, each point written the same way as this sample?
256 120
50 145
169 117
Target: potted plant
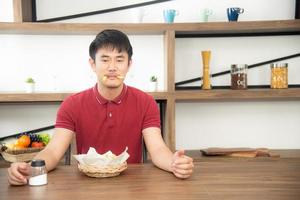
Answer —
153 84
30 83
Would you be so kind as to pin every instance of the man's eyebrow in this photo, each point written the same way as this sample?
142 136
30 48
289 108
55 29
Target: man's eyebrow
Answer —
121 56
104 56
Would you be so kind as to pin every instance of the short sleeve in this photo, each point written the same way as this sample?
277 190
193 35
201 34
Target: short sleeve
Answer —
65 116
152 116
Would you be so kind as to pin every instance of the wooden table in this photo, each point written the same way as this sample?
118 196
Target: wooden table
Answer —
240 179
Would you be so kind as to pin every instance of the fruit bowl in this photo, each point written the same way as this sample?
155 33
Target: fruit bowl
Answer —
102 172
20 155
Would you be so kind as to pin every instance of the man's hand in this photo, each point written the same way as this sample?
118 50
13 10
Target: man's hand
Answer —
18 173
182 165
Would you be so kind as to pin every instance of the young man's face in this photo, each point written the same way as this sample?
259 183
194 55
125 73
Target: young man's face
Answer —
110 67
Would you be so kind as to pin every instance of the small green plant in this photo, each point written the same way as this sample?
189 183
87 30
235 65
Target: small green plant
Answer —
30 80
153 78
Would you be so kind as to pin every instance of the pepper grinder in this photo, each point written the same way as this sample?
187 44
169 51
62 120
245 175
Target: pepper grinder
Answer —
206 77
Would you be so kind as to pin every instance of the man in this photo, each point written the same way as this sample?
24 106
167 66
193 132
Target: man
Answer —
109 116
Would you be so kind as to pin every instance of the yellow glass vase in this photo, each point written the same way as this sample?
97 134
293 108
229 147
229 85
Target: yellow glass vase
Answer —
206 75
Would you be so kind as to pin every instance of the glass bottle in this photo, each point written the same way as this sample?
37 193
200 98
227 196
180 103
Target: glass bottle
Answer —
279 75
239 76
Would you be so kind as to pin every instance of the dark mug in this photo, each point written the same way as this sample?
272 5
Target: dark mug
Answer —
233 13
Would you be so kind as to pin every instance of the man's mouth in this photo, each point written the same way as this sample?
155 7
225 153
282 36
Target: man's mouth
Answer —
105 77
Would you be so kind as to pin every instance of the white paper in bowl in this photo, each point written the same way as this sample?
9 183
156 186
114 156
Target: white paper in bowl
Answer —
92 158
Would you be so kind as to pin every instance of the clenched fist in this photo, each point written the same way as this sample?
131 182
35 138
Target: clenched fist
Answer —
182 166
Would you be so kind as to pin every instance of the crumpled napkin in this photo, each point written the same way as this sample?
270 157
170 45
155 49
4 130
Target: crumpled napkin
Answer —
92 158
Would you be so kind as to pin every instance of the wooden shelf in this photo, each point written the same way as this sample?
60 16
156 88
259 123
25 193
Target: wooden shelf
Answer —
53 97
228 94
181 29
188 95
160 95
211 29
32 97
79 28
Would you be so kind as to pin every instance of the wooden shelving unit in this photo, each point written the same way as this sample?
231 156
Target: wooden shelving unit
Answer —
170 32
54 97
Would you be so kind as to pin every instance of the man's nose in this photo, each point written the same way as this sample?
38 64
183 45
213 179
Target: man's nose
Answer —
112 66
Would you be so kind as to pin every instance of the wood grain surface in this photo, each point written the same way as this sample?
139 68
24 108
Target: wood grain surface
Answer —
269 26
279 179
11 97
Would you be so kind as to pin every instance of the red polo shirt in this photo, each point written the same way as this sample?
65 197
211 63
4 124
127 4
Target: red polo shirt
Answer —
109 125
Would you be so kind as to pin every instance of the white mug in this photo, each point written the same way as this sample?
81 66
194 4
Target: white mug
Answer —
205 14
138 15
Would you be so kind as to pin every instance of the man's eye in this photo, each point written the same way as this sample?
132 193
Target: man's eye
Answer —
104 60
120 60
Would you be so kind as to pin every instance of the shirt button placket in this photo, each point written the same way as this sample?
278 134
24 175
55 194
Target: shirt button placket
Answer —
110 114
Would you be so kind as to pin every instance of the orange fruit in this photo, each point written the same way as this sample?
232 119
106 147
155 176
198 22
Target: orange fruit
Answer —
37 144
23 141
17 146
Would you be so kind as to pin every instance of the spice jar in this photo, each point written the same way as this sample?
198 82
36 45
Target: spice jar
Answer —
279 75
38 173
239 76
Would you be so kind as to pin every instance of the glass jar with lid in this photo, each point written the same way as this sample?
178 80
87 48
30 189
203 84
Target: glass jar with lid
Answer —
38 173
279 75
239 76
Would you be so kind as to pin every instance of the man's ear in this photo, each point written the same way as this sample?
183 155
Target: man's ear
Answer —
92 64
129 64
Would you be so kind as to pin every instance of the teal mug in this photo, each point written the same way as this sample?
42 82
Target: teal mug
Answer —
169 15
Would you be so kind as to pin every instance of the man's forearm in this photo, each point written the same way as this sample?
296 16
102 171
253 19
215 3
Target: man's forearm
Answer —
49 156
55 150
162 158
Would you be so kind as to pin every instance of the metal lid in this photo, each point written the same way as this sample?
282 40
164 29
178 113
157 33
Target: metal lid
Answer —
37 163
274 65
238 67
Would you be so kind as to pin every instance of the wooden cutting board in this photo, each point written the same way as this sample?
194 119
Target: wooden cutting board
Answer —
238 152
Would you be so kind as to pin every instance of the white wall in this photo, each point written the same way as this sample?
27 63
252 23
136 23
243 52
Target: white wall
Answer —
198 125
189 10
6 11
238 124
49 9
19 117
61 62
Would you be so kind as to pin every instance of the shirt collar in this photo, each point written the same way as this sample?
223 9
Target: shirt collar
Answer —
102 100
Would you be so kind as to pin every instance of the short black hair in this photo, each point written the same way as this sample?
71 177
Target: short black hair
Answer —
111 38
